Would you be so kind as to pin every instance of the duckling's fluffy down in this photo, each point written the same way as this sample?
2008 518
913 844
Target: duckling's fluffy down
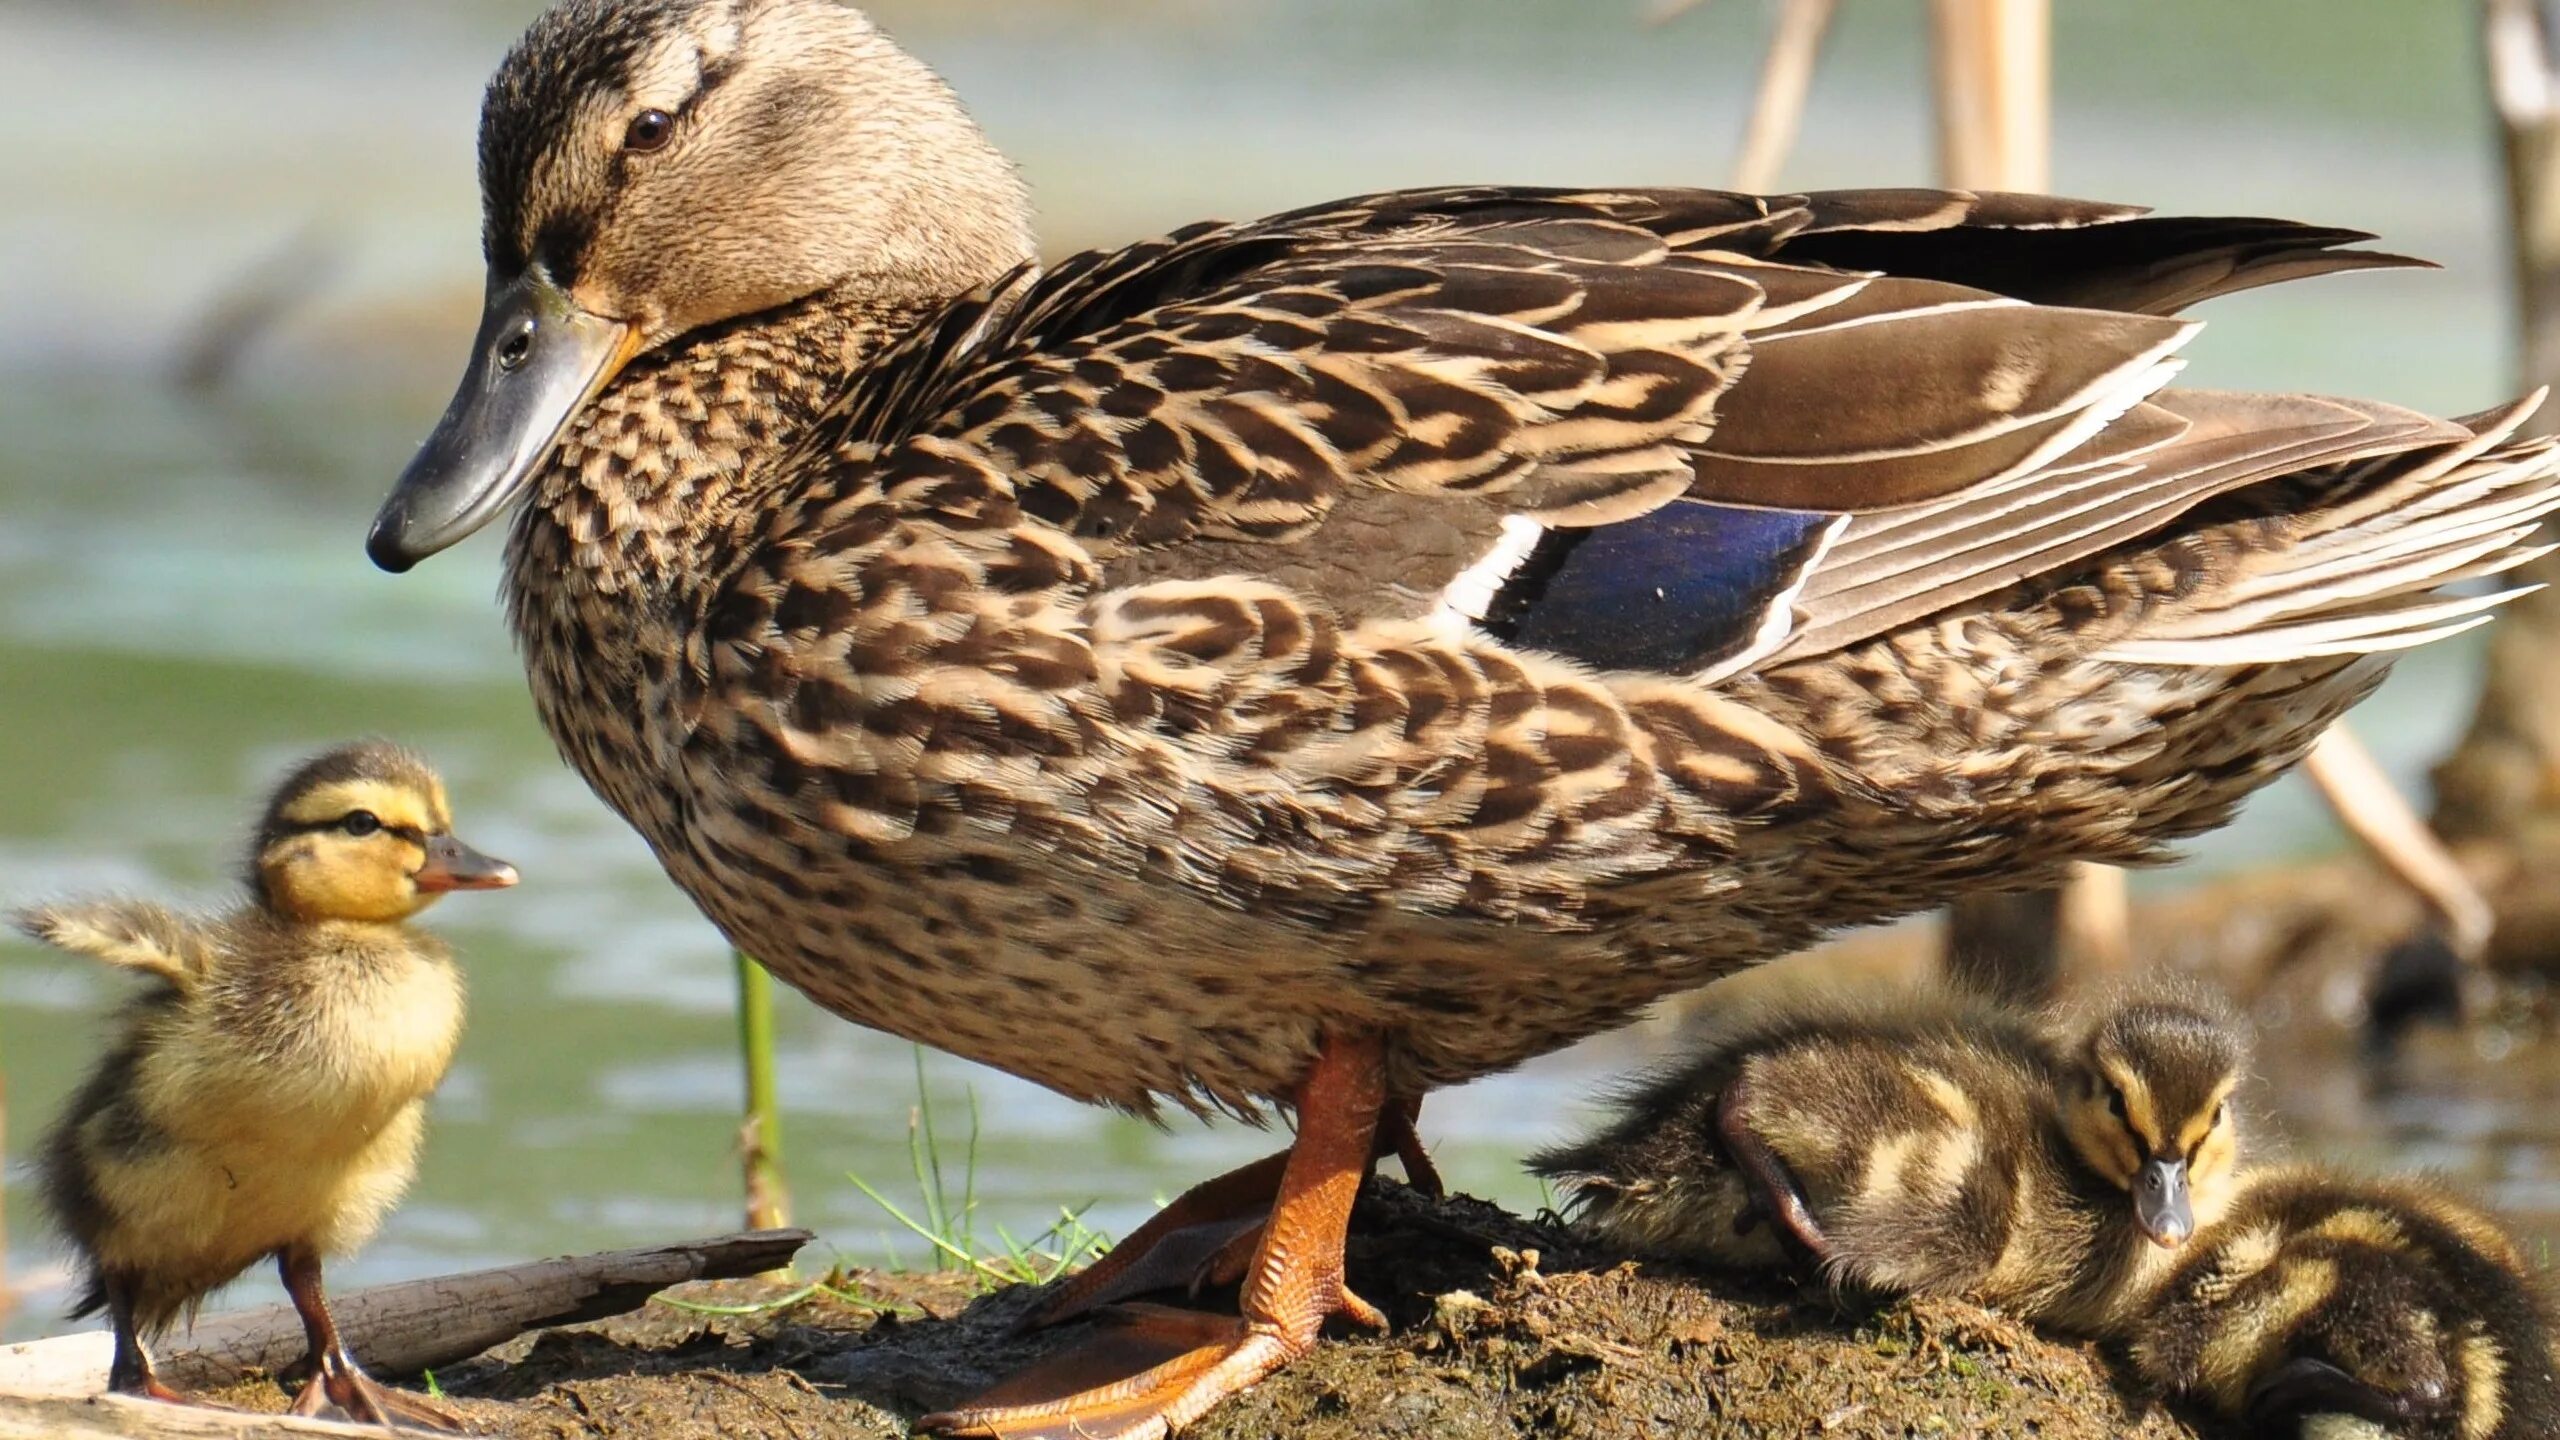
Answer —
268 1094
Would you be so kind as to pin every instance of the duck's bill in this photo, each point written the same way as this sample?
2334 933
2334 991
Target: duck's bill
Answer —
2160 1204
452 865
537 360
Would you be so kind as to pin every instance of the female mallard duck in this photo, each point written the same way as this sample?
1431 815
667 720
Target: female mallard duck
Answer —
264 1096
1932 1145
1324 658
2334 1307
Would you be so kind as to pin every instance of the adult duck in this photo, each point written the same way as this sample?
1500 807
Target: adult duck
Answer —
1324 658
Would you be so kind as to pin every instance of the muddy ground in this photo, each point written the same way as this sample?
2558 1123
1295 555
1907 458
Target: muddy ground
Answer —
1502 1327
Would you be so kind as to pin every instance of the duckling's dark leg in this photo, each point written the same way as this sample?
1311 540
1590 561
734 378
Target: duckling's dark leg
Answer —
338 1386
131 1372
1207 1234
1777 1196
1295 1283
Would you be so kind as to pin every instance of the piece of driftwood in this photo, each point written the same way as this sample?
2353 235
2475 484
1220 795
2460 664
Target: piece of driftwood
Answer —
119 1417
398 1330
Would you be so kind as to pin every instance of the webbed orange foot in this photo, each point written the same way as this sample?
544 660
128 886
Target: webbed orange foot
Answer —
1186 1361
1168 1250
1208 1234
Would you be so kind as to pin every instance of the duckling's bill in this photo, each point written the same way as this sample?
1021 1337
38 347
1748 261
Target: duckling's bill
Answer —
538 359
2160 1202
452 865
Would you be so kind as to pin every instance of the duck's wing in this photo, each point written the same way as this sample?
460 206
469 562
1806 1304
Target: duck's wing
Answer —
1632 428
133 934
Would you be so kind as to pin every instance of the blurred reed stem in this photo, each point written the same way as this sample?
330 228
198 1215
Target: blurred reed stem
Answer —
760 1136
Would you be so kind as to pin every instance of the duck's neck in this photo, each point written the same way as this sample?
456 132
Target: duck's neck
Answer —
658 462
645 499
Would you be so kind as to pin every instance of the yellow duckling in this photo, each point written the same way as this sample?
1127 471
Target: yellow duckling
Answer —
264 1095
1933 1145
2341 1308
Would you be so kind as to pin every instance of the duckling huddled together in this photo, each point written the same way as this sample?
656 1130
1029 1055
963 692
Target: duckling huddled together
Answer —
263 1094
2079 1171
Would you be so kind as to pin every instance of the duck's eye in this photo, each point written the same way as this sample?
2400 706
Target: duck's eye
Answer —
517 347
2221 1113
361 822
648 130
2115 1103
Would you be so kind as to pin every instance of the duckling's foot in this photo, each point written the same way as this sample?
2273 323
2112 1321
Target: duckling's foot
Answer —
1208 1234
1293 1285
1775 1195
152 1389
338 1388
131 1372
343 1392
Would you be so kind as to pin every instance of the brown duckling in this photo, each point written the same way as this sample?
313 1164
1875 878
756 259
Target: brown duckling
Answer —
1935 1145
2336 1307
264 1094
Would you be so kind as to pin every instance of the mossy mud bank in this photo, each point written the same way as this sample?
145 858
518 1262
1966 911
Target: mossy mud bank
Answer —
1502 1327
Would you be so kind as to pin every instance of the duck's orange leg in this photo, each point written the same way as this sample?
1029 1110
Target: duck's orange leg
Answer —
1207 1235
1294 1284
1400 1127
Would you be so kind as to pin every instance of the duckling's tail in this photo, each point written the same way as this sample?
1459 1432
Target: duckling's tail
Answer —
2362 554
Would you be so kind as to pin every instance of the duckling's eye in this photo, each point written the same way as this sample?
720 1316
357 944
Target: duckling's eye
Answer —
2115 1103
649 130
2221 1113
361 823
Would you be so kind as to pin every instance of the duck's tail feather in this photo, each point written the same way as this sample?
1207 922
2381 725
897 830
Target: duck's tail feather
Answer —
2364 566
2169 455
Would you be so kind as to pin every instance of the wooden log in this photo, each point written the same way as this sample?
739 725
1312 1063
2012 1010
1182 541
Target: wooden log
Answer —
121 1417
405 1328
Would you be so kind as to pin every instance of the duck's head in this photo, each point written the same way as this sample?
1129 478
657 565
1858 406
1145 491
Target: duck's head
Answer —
362 833
2150 1109
652 167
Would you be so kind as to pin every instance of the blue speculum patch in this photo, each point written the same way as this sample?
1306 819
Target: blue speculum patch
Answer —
1676 589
